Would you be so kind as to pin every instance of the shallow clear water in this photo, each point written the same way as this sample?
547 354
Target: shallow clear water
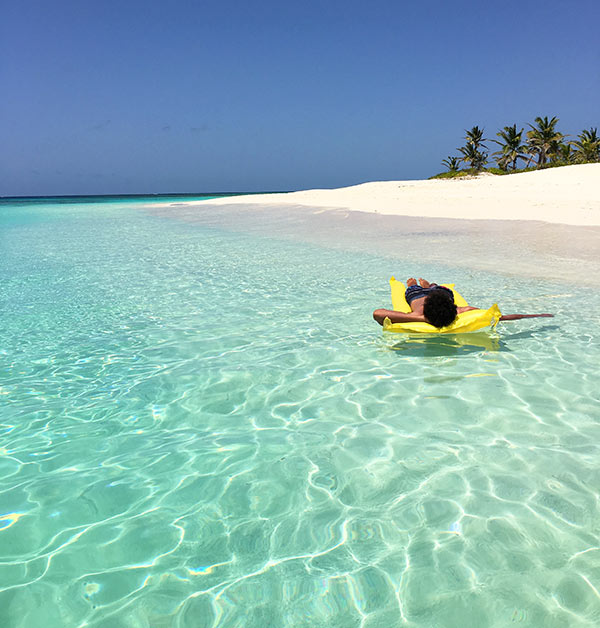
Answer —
204 428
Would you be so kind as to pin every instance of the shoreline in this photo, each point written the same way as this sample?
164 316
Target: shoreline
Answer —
568 195
552 234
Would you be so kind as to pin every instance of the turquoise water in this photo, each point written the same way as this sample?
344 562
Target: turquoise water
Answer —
204 428
127 199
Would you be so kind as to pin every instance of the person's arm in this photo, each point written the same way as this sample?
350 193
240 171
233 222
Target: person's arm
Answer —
516 317
397 317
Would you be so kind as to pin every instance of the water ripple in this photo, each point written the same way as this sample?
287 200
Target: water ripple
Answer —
186 440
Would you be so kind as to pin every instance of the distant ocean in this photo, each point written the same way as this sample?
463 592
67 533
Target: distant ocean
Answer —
201 426
113 198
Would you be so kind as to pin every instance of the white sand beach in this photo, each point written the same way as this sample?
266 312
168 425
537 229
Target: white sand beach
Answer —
569 195
543 224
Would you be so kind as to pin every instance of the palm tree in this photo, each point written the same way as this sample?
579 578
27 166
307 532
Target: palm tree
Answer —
565 152
475 158
475 137
512 147
543 140
472 153
452 163
587 146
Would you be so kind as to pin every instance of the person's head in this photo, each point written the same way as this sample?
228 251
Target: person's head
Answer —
439 308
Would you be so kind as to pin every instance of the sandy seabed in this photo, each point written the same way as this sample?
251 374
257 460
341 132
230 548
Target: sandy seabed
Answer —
543 224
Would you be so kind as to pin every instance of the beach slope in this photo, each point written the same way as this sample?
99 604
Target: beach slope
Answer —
569 195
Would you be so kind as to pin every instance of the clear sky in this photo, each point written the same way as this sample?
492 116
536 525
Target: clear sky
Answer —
142 96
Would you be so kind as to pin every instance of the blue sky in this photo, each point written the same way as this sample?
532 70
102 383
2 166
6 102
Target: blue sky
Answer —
148 97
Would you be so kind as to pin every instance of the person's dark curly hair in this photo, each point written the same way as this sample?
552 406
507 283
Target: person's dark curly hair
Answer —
439 308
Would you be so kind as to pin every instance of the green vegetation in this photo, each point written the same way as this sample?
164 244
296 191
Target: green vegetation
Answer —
587 147
543 147
453 174
472 150
452 163
471 172
543 140
511 147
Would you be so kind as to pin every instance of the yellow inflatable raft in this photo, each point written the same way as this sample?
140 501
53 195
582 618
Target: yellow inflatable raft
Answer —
466 321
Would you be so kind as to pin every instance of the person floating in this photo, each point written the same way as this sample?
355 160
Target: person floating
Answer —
433 304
